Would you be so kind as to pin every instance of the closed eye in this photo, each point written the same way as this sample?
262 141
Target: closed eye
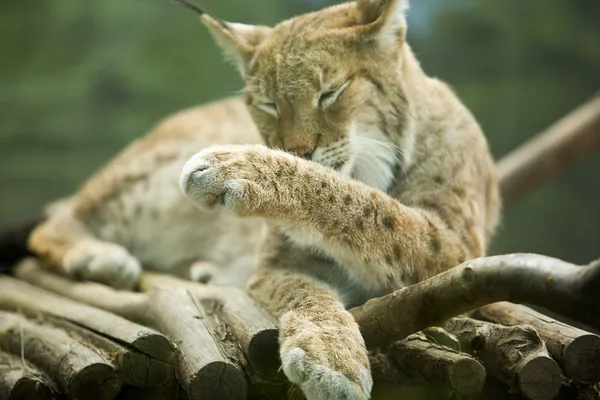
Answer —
269 108
328 97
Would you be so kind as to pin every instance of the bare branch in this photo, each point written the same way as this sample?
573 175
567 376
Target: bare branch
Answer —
524 278
551 152
577 351
142 355
205 368
416 360
516 356
78 371
18 381
254 328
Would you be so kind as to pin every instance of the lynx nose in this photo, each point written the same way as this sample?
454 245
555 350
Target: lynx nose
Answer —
302 152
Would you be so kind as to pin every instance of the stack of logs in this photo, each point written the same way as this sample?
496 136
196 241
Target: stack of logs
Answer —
456 331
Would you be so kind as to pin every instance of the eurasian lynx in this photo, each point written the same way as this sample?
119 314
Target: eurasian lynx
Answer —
371 176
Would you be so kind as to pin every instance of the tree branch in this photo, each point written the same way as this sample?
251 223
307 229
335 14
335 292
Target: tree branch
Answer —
577 351
206 367
254 328
142 356
551 152
18 381
417 360
516 356
78 371
524 278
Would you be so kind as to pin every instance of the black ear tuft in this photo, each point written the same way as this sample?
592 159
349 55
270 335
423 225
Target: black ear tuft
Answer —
192 6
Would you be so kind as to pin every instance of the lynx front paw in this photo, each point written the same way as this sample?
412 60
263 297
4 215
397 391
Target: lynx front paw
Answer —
103 262
240 178
327 364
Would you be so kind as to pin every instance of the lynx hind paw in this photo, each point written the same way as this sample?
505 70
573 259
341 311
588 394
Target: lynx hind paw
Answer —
103 262
319 382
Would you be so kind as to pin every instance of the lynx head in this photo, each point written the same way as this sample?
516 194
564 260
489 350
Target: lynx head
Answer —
327 86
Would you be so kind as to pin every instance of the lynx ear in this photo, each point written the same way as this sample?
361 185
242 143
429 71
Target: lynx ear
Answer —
383 21
239 41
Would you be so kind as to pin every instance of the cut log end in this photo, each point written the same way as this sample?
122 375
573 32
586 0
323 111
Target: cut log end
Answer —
467 376
218 380
28 388
540 378
155 345
95 381
581 359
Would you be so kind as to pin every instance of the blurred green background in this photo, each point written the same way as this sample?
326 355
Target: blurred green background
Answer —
81 79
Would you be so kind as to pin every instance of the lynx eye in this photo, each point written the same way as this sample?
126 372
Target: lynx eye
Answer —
330 96
269 108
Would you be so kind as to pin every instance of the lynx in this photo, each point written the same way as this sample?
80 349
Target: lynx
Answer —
344 172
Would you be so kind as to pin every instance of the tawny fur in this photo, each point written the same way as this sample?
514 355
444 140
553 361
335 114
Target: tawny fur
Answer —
369 174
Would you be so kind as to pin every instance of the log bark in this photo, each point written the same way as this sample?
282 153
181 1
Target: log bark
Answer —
576 351
551 152
204 367
19 381
515 355
254 328
130 334
251 327
206 371
416 360
121 341
562 287
77 370
135 368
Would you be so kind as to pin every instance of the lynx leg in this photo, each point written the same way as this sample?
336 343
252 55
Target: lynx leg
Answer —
67 246
321 348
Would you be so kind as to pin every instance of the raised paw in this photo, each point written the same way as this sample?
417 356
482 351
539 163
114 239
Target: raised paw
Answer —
240 178
103 262
326 363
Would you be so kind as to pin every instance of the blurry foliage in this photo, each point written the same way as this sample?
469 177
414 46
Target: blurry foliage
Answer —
80 80
519 66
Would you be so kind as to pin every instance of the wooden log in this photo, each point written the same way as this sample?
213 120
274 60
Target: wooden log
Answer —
22 382
416 360
551 152
576 351
121 341
516 355
130 334
254 328
205 371
78 371
442 337
204 368
136 369
562 287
